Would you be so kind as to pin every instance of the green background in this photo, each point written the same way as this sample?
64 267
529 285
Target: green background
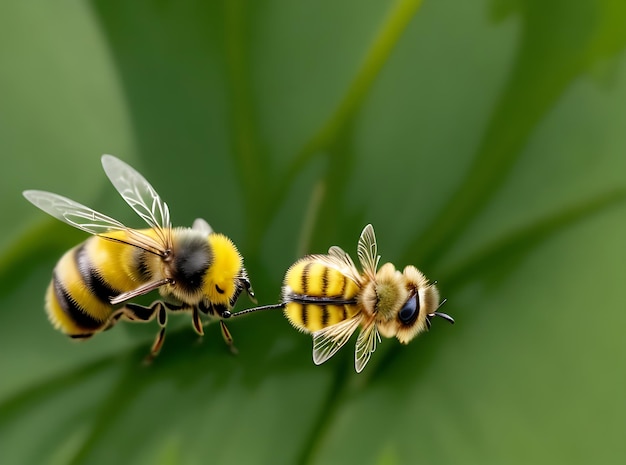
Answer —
486 143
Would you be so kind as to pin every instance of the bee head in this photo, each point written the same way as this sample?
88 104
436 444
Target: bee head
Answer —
221 281
414 312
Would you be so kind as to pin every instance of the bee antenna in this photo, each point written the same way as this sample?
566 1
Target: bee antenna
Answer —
257 309
445 316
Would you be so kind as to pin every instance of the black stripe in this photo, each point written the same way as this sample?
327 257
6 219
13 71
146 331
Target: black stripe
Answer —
343 285
304 315
92 279
71 308
305 277
325 316
315 300
325 281
140 258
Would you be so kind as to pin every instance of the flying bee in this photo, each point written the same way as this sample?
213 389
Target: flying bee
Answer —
327 296
195 269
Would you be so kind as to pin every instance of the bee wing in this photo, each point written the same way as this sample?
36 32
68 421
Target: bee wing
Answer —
367 251
87 219
338 253
327 341
140 195
201 225
366 345
73 213
342 262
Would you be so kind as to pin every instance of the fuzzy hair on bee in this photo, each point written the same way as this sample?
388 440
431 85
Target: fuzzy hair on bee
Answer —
329 298
195 270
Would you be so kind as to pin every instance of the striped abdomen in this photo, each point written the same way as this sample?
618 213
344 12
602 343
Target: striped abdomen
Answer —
85 279
317 295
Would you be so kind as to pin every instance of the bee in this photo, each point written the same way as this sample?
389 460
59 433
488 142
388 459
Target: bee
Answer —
328 297
194 269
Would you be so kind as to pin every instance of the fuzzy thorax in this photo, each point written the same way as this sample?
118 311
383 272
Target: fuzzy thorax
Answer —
390 292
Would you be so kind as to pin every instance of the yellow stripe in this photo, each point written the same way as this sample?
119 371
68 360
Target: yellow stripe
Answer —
337 313
69 276
351 290
59 319
293 312
308 277
314 315
293 277
316 276
336 283
117 266
115 262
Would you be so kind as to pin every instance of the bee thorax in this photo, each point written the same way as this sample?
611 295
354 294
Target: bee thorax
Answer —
388 299
389 291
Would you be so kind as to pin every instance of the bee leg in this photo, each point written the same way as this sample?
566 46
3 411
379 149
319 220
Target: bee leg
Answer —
197 322
228 339
160 311
131 312
141 313
134 312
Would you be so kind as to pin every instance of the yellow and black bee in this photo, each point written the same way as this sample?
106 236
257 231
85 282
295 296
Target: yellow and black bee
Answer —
194 269
327 296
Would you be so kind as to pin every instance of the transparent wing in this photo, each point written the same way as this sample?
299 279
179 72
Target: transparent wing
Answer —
365 345
341 261
367 251
73 213
327 341
140 195
201 225
343 258
87 219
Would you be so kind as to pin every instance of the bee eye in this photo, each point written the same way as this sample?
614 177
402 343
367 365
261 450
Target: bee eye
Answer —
408 313
219 289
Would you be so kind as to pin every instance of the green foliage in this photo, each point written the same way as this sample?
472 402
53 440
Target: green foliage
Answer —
484 140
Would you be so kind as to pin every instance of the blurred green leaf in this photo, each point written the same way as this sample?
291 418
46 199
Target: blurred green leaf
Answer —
485 143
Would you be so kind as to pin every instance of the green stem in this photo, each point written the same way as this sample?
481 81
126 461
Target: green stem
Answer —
389 34
251 162
509 247
525 238
377 55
